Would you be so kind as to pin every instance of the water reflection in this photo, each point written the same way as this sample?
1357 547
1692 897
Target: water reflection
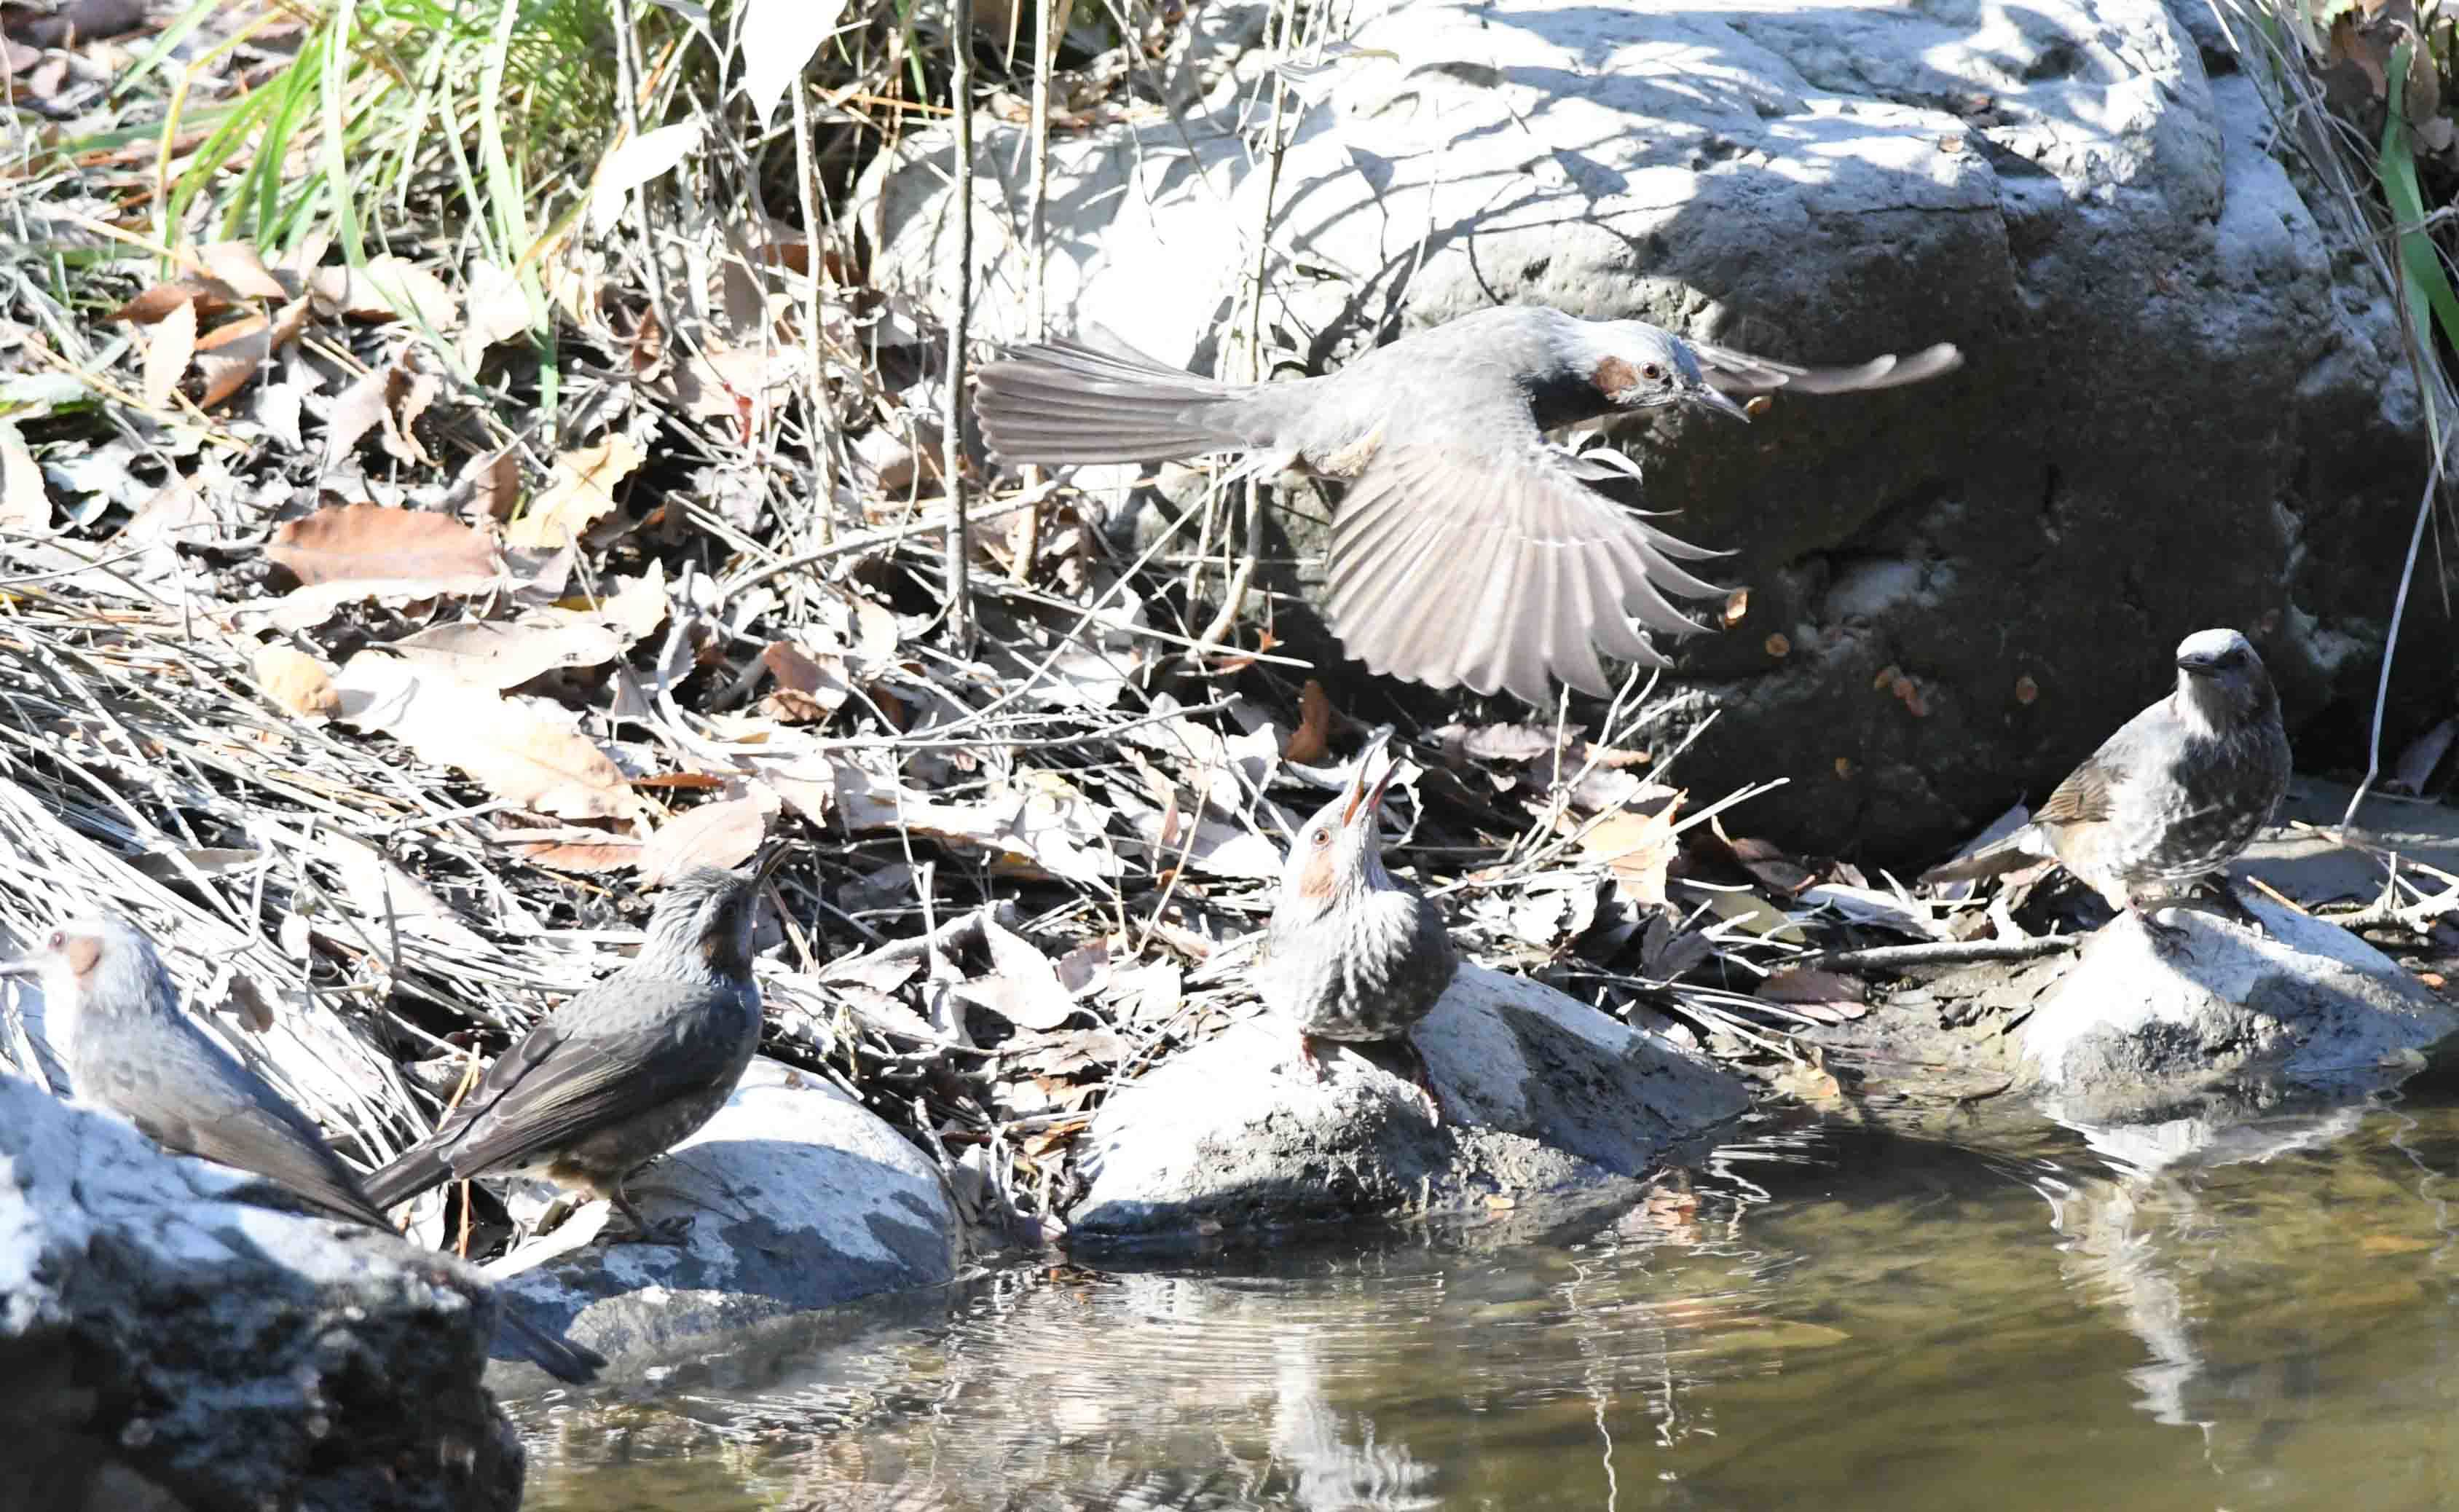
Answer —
2192 1312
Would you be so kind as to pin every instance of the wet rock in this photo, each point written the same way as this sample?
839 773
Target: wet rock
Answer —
799 1198
170 1342
1539 1092
2133 1023
2165 363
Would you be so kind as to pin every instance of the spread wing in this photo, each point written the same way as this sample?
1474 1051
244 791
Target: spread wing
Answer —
207 1103
1456 563
1740 373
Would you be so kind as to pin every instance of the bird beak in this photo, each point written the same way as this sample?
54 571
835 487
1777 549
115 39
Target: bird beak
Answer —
27 967
765 865
1707 396
2198 663
1366 783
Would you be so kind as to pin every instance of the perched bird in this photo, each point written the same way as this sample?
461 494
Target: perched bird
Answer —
1351 955
2178 792
111 1011
620 1075
1468 549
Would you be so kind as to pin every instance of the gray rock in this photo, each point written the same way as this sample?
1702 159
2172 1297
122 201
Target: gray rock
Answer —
1540 1093
169 1342
2165 363
799 1197
2130 1026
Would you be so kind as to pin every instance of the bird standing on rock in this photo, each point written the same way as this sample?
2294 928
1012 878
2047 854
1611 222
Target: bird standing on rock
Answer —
111 1011
2178 794
622 1072
1351 955
1468 549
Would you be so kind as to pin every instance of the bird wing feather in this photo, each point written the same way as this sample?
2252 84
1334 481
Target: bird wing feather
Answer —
559 1085
207 1103
1447 569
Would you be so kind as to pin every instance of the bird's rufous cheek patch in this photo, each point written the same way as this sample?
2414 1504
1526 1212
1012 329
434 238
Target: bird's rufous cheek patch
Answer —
84 952
1317 876
1614 377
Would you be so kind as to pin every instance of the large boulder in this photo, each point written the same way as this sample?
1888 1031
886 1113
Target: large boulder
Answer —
2177 412
170 1342
798 1197
2135 1023
1539 1093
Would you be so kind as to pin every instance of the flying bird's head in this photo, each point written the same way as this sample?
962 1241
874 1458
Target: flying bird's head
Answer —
1339 853
703 923
95 967
2220 678
1636 365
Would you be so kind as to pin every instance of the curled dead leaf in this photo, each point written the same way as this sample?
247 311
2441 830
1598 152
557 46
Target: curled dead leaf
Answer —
580 492
297 682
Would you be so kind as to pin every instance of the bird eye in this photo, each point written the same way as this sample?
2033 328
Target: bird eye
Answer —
1320 838
60 941
1652 372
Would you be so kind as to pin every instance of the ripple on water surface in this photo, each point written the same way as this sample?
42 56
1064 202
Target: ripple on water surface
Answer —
1833 1317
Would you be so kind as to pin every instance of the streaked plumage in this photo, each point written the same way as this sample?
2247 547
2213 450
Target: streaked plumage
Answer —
1351 953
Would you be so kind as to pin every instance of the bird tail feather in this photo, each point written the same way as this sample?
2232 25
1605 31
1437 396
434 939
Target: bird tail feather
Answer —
1062 403
2014 853
559 1357
416 1172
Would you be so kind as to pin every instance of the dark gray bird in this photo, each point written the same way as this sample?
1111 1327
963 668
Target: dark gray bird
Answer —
1351 955
620 1075
1468 549
2178 794
111 1011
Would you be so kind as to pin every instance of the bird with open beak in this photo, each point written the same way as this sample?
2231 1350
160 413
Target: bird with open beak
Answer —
2175 795
111 1011
1351 954
622 1073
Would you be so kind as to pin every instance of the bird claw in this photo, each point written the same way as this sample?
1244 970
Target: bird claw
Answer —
675 1231
1312 1057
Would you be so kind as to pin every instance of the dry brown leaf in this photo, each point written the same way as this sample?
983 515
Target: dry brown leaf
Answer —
163 299
375 543
381 890
500 311
236 350
168 351
494 486
24 503
1024 987
580 492
504 747
723 835
586 858
638 606
296 681
1312 741
808 688
238 266
1638 848
495 653
388 288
